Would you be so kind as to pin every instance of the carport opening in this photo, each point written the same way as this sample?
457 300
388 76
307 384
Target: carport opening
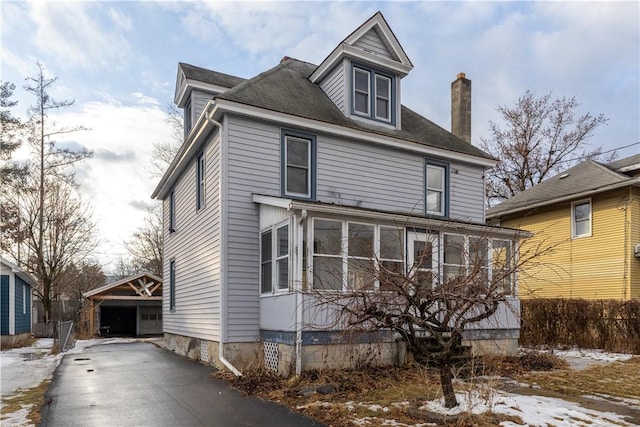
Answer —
118 321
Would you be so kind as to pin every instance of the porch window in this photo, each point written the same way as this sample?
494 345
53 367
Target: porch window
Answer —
298 165
274 259
454 256
327 254
501 262
478 257
436 188
581 219
361 269
391 261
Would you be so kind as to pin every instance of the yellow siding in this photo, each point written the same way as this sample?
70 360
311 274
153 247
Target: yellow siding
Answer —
634 225
591 267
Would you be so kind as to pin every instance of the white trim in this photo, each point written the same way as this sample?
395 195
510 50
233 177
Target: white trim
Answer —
573 218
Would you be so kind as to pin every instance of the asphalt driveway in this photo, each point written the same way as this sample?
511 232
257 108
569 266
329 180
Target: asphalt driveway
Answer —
139 384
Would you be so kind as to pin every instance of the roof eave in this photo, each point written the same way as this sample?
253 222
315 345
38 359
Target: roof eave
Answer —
630 182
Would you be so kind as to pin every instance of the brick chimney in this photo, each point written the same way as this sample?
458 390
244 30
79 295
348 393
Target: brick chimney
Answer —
461 107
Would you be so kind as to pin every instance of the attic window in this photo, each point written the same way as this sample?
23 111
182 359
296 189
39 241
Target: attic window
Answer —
372 94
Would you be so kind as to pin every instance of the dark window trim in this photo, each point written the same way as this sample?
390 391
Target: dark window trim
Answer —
172 285
187 117
200 177
447 192
312 166
372 93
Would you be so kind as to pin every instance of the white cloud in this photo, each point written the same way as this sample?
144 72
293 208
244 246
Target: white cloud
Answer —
70 32
116 179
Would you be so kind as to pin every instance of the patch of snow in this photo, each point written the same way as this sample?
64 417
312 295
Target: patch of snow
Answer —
580 359
18 418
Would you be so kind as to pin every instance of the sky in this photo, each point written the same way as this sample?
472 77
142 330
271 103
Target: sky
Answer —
118 61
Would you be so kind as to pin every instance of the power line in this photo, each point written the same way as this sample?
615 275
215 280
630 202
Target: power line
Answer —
597 154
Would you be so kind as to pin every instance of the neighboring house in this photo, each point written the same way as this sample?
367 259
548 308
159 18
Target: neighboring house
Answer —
15 302
277 178
590 216
131 307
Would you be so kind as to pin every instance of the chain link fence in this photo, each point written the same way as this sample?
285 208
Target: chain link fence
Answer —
64 335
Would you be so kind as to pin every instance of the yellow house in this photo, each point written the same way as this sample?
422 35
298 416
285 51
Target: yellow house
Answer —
588 220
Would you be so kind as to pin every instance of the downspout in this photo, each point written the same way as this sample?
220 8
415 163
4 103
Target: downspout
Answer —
223 294
299 299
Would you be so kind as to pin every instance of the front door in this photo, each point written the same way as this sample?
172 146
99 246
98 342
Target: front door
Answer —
423 251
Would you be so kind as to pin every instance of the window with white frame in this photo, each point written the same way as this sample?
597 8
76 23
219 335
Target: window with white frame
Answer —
274 259
581 218
200 176
436 191
501 265
356 256
298 165
478 257
372 94
454 256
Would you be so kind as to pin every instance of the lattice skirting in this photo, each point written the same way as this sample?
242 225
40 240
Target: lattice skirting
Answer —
271 355
172 343
204 350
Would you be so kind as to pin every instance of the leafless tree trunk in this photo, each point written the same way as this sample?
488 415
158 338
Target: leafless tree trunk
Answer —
536 139
145 247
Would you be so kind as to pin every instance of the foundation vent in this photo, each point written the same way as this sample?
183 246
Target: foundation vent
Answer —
172 343
271 356
204 351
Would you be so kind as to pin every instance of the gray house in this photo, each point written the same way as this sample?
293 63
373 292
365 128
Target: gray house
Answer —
279 173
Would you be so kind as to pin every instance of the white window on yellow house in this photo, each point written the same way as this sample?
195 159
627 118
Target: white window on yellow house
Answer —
581 218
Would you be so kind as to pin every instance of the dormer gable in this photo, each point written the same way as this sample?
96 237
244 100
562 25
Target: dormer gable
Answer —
362 74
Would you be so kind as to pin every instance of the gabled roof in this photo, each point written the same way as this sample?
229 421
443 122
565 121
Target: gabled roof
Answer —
583 180
8 265
190 76
286 89
628 165
139 285
355 46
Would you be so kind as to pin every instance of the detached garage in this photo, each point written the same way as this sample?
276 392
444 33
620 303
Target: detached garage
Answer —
129 307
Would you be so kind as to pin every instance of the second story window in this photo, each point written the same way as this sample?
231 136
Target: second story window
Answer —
436 188
581 219
298 165
372 94
200 181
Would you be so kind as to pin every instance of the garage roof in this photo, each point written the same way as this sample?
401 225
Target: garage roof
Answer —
140 286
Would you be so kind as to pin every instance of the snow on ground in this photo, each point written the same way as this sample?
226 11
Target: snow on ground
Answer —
27 367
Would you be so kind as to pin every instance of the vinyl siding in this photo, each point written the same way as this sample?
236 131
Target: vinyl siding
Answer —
253 167
195 246
634 229
372 42
587 267
4 304
23 319
335 88
199 100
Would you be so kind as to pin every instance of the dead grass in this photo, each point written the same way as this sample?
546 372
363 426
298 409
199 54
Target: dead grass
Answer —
374 396
27 342
32 398
617 379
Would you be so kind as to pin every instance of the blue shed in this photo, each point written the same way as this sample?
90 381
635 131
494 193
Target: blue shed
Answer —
15 302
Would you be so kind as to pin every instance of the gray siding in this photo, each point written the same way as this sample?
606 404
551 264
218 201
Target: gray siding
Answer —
198 102
334 86
253 167
369 176
372 42
195 246
467 193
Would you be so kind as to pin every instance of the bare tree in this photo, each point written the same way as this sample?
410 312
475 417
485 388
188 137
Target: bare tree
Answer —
164 152
10 135
81 277
145 245
538 138
54 226
429 305
64 234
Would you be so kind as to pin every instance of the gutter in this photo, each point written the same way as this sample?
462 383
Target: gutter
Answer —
223 294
